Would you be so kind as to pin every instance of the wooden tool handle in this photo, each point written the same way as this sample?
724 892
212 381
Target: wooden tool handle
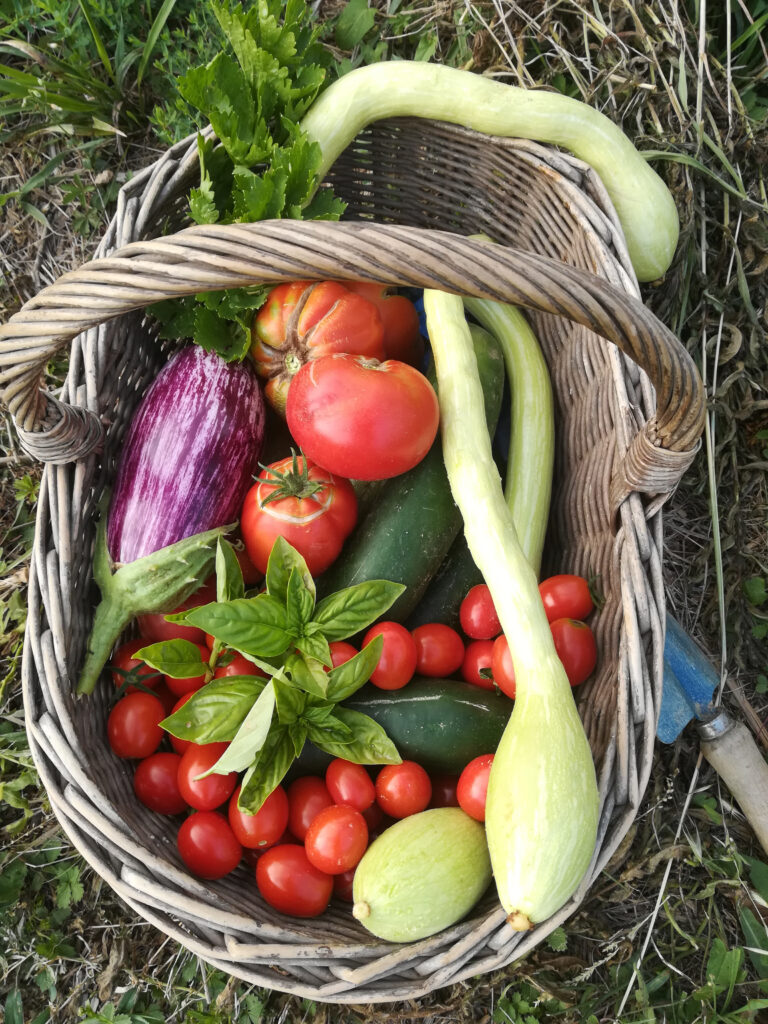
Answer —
731 750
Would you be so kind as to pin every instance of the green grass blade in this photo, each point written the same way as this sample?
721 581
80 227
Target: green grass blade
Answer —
154 34
748 33
100 47
690 161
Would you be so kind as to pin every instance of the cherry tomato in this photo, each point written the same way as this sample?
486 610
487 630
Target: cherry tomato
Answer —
167 699
478 657
398 656
304 320
403 789
566 597
402 333
133 726
342 885
350 784
263 829
290 883
439 649
154 628
336 839
236 665
374 816
477 614
182 686
123 665
207 845
502 668
360 418
212 791
472 789
341 651
180 745
576 648
307 796
155 783
314 511
444 791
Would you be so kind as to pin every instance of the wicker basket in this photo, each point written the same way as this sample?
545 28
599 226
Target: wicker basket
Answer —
623 441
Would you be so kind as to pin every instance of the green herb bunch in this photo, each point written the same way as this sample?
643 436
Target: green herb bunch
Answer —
260 165
286 633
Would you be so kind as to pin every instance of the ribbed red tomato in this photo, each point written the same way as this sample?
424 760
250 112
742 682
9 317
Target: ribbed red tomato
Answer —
314 510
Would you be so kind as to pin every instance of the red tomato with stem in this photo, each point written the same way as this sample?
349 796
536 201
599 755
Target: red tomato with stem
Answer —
311 508
182 686
566 597
133 726
397 662
307 796
207 845
478 658
155 783
403 789
263 829
154 627
302 321
477 614
502 668
361 418
291 884
350 784
576 648
336 839
179 745
125 668
212 791
402 331
439 649
472 789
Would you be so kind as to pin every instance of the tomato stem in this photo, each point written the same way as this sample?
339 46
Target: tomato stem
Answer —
293 482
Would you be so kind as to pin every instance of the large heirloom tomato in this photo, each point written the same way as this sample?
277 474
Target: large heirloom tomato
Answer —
361 418
304 320
313 509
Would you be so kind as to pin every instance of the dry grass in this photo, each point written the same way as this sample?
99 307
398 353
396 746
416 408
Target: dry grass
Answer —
644 937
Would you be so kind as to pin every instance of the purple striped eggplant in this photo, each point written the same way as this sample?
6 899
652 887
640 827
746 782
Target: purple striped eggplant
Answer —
190 455
189 458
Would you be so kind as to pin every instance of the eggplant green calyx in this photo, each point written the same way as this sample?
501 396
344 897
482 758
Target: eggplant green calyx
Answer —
153 583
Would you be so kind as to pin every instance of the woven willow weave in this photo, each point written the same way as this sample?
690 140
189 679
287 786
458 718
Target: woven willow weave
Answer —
618 458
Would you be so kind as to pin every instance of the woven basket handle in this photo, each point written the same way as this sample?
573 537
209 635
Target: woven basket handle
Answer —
214 257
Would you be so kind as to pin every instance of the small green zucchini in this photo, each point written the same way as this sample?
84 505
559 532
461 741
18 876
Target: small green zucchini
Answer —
414 521
421 875
449 586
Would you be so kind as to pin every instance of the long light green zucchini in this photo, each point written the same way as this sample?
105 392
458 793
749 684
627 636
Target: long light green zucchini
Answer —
528 484
542 807
642 201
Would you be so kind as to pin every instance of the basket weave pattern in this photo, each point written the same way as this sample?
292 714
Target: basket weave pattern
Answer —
618 457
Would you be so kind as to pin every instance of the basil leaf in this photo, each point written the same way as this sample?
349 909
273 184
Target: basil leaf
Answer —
290 702
268 770
298 734
178 659
348 611
346 679
307 674
283 559
250 737
317 712
229 575
299 602
254 625
215 712
332 731
369 745
315 647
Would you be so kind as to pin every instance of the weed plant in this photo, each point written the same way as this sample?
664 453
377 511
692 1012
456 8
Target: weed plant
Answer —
675 928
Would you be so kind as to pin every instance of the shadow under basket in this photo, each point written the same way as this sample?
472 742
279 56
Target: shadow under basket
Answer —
628 418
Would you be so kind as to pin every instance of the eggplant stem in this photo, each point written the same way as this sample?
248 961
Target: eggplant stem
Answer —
109 620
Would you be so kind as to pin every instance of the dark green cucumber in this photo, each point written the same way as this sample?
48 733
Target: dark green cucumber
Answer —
448 587
440 723
408 532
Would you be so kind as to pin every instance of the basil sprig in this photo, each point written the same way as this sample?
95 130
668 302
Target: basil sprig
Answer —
266 721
